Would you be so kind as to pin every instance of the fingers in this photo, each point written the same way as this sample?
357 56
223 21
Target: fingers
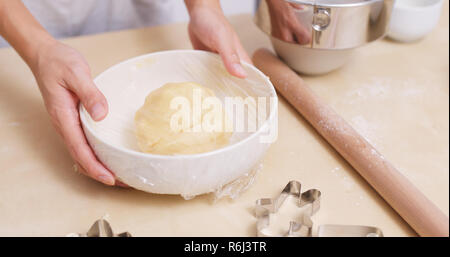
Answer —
231 53
78 168
302 35
121 184
281 31
68 123
243 56
228 52
80 82
209 30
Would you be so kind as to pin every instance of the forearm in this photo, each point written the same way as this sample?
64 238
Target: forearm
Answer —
22 30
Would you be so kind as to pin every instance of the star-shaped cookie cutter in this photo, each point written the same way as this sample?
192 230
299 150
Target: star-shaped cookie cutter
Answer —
303 228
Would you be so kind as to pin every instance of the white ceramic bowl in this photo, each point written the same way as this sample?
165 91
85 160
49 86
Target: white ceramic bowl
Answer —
310 61
413 19
126 85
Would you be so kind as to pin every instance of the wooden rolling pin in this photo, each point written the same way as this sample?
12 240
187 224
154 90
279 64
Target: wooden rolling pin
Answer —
412 205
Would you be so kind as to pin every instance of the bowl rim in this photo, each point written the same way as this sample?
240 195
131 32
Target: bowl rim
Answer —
83 112
335 5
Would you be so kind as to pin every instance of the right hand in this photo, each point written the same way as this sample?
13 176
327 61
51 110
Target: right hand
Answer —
285 24
209 30
64 80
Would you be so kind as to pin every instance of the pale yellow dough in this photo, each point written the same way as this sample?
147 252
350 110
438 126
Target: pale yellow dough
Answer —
153 123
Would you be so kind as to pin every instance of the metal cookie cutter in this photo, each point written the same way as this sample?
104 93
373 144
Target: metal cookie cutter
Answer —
303 228
101 228
266 206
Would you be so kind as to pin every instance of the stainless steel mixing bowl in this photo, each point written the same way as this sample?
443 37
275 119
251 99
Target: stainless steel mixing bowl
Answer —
318 36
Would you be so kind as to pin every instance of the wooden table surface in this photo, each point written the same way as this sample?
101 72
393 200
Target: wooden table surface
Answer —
396 95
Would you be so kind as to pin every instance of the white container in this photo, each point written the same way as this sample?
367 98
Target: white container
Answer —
412 20
126 85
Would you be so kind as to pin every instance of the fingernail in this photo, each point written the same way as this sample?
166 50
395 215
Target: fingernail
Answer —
237 67
108 180
98 111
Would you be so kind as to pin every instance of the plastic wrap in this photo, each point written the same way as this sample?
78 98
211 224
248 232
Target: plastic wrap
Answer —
236 187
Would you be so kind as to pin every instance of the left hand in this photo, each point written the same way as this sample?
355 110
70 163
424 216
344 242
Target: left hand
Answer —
209 30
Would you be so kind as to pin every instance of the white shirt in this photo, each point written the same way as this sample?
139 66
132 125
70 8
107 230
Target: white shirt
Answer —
68 18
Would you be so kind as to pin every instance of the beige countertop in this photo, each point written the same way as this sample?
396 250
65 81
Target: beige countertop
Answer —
396 95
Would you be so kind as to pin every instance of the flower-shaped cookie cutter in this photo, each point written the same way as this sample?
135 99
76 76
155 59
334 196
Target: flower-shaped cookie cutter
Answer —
303 228
267 206
100 228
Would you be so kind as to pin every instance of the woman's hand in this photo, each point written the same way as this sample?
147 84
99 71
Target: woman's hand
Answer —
209 30
285 24
64 79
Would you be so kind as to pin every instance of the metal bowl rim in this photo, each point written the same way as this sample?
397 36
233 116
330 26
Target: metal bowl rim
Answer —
335 5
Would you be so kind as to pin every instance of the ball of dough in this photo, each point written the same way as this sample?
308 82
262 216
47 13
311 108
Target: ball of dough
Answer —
154 119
